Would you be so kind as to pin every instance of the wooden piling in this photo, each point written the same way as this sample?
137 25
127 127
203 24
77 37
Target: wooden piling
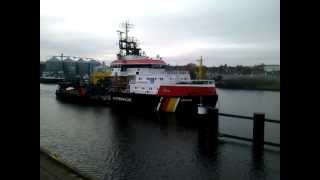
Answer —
258 130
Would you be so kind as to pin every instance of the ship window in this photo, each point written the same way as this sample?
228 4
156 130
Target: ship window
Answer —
142 87
140 78
150 88
137 73
161 79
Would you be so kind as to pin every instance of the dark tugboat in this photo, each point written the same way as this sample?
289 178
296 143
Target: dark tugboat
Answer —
146 83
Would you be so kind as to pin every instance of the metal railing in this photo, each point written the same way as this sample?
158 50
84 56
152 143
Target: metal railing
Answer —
248 117
258 127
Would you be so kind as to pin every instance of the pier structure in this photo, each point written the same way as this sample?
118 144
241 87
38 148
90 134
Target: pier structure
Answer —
54 168
209 125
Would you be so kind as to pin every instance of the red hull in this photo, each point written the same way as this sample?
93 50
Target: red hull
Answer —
185 90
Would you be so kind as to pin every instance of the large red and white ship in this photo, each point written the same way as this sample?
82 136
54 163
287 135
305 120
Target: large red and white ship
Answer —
149 83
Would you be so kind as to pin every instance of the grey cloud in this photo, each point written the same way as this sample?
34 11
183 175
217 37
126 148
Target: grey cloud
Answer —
77 45
236 57
236 22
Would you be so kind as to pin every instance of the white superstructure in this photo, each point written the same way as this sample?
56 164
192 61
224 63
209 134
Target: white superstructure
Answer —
146 75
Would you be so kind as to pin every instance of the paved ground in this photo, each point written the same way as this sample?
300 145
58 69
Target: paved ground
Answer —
50 169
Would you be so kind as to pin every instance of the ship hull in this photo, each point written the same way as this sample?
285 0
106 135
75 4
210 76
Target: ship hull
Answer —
51 80
143 102
80 99
177 104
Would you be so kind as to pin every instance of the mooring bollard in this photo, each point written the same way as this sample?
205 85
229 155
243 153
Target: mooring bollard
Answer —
213 124
202 110
208 126
258 130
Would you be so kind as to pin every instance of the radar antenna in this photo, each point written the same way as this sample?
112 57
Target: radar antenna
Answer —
127 44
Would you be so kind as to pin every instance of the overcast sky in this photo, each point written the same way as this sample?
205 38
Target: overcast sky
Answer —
233 32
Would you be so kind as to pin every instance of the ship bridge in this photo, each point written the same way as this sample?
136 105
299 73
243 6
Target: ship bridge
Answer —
136 65
139 61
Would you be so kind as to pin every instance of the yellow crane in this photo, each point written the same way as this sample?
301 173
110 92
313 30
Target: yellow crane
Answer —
96 76
200 70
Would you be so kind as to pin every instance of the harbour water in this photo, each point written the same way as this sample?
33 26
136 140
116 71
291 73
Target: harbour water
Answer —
119 144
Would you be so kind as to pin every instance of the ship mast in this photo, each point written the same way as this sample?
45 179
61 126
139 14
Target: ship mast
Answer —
127 45
127 26
121 47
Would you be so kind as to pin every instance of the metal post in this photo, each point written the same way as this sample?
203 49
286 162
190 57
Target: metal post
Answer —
208 128
258 130
213 125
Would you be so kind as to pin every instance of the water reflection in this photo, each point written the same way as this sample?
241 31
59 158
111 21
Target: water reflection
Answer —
135 157
111 143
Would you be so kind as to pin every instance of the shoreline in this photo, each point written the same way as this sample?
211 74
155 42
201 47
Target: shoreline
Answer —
249 89
250 84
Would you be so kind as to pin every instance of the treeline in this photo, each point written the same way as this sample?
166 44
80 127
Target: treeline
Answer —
257 69
222 69
249 84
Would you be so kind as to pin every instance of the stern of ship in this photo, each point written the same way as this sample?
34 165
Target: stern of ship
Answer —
187 96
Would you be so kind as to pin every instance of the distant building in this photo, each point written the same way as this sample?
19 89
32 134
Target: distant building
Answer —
42 67
101 68
69 66
83 67
54 65
92 65
270 68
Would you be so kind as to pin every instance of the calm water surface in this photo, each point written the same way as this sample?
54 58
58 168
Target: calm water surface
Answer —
119 144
